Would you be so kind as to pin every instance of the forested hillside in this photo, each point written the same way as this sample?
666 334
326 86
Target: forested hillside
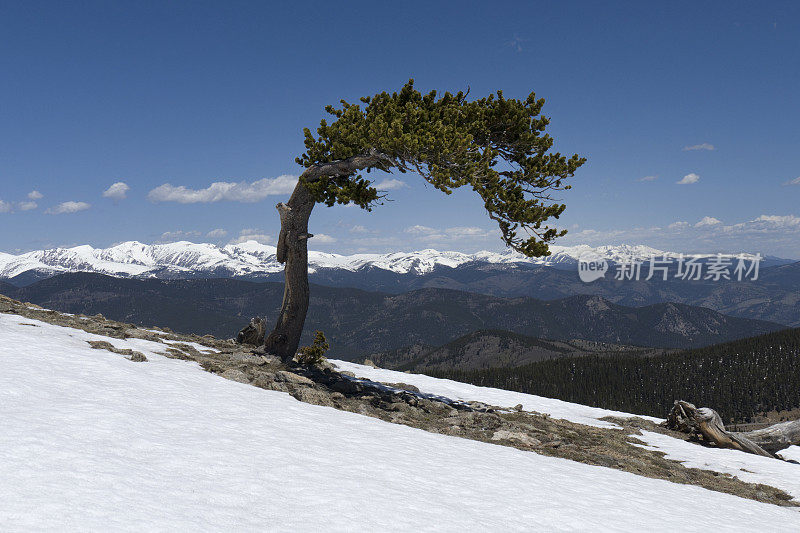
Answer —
497 348
739 379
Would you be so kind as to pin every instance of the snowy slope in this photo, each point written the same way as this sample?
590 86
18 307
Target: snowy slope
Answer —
581 414
251 258
749 468
92 441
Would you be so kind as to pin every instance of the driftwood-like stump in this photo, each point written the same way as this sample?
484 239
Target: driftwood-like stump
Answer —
706 424
253 333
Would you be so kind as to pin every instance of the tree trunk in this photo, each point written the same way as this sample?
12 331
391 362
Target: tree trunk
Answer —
777 437
707 423
293 248
293 252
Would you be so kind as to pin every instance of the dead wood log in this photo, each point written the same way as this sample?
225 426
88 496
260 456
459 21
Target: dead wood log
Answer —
705 424
253 333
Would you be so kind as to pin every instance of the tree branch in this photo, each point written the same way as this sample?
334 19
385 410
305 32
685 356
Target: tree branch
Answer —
346 167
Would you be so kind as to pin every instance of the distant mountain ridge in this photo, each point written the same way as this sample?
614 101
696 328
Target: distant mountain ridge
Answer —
252 260
359 323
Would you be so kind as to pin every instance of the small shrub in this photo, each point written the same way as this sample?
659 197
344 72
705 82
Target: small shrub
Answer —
314 354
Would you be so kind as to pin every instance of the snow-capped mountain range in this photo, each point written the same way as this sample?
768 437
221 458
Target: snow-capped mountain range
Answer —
252 259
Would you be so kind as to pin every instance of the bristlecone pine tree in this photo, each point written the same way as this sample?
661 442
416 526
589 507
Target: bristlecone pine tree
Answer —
495 145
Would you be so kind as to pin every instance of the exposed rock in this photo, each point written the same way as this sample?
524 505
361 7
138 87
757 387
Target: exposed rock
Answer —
313 396
246 357
347 386
480 406
522 438
264 380
136 357
403 386
291 377
235 375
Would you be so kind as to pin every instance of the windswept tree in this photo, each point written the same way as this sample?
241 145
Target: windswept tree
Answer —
495 145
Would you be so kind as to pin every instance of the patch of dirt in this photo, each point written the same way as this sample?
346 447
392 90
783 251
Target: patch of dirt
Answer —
133 355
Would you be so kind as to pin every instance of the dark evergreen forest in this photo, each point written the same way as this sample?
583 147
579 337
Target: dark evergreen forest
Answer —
739 379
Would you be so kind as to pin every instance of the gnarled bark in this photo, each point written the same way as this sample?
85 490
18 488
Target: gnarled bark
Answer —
253 333
293 249
293 253
706 423
778 436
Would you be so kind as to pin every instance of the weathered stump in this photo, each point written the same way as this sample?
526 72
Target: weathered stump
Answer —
705 424
253 333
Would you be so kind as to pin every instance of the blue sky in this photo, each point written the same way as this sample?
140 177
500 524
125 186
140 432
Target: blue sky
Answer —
193 93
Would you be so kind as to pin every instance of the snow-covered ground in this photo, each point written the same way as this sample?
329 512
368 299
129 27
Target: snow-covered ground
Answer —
92 441
747 467
581 414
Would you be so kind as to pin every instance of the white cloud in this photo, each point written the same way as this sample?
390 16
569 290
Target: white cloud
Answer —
321 238
179 235
678 225
648 178
216 234
467 231
117 191
390 184
359 229
688 179
778 221
762 224
35 195
252 234
698 147
66 208
448 234
708 221
221 190
5 207
769 234
420 230
795 181
27 206
516 43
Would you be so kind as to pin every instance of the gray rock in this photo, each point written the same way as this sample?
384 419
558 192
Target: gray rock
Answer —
403 386
138 357
245 357
313 396
347 386
518 436
264 380
291 377
235 375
